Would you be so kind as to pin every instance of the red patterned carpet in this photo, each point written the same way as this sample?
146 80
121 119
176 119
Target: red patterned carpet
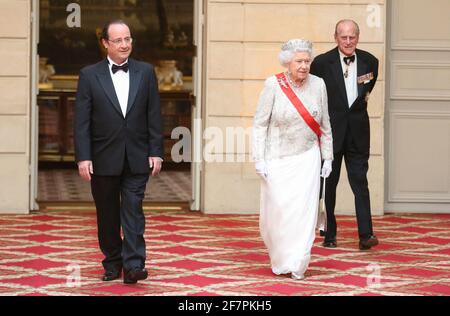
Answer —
198 255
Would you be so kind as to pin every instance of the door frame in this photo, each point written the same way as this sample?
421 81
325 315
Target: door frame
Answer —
34 110
198 88
198 95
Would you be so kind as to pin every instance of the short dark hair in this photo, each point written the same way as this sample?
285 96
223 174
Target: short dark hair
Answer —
105 29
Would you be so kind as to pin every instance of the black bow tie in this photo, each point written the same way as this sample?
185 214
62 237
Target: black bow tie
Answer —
348 60
116 68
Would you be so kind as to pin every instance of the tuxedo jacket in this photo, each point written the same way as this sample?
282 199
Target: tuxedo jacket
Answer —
342 116
101 132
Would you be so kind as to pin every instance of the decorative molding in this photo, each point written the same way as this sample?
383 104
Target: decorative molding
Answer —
417 208
414 93
413 197
398 42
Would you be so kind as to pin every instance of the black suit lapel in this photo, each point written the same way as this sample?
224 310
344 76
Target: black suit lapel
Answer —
338 75
104 77
135 80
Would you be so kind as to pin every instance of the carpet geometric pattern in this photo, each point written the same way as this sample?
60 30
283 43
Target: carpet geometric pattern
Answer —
191 254
65 185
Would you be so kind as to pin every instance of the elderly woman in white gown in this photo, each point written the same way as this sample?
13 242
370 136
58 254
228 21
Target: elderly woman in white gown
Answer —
290 138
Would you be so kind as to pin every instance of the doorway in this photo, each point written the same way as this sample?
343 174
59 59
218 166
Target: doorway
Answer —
418 107
173 32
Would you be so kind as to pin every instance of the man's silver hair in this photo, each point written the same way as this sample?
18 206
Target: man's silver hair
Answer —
293 46
346 21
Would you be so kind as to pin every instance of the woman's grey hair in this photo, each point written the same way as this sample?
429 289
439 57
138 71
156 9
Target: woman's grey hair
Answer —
293 46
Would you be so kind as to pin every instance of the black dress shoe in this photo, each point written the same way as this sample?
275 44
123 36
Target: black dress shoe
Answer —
111 275
329 243
366 244
134 275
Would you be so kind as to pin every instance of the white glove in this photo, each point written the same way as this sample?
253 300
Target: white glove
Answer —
261 168
326 169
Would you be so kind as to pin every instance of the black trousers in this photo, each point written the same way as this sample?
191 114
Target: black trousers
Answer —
357 164
118 200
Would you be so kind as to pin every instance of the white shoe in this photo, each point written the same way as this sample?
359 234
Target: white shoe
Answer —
296 276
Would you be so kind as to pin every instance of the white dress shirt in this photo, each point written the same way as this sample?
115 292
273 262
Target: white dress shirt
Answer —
351 83
121 81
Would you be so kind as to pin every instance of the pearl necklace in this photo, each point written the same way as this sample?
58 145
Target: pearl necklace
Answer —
292 83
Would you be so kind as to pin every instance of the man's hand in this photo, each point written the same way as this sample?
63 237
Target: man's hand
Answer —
85 169
156 164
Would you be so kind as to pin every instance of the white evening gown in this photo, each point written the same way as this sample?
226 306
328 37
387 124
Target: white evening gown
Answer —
289 209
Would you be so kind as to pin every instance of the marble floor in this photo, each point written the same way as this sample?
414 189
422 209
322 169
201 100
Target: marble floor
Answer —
64 185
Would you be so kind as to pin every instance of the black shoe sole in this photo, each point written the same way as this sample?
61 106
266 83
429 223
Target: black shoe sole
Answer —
112 278
128 281
329 244
132 278
367 247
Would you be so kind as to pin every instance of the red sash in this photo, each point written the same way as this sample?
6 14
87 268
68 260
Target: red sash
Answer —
312 123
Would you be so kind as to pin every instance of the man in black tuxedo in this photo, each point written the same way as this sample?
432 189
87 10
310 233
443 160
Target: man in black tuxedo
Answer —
350 75
118 142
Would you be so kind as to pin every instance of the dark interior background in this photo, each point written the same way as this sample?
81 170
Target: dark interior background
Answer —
161 30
